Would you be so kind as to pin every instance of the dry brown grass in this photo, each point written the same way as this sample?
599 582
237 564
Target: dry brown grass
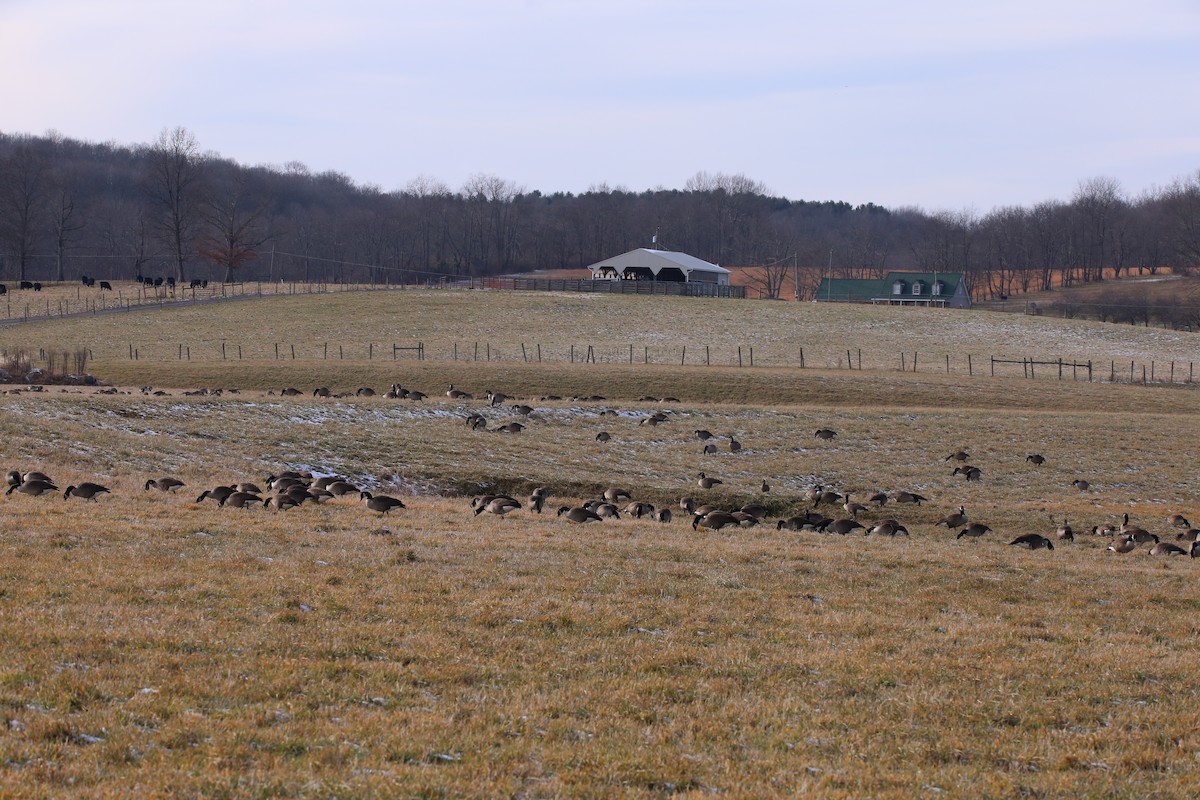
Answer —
150 645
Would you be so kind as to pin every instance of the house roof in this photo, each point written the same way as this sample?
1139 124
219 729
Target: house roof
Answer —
655 260
863 290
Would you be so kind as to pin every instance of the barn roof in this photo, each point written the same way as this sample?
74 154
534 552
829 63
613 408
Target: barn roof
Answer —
658 259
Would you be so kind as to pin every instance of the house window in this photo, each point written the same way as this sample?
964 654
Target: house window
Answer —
898 287
918 287
938 286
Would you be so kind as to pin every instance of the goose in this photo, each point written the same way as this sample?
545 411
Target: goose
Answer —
909 497
647 398
614 495
638 510
290 391
33 488
608 510
1081 484
744 519
163 484
282 502
340 488
1032 541
704 509
791 523
365 391
974 530
512 427
734 445
754 510
1138 534
1107 529
653 420
825 434
321 391
1123 544
1178 521
879 498
1064 532
887 527
663 515
843 526
219 494
247 486
522 409
1190 535
715 521
88 491
708 449
415 396
704 435
497 398
536 502
957 455
971 473
705 482
829 496
1168 549
687 504
603 436
283 484
456 394
476 421
240 500
852 508
500 506
15 478
766 487
1037 459
579 515
813 495
954 520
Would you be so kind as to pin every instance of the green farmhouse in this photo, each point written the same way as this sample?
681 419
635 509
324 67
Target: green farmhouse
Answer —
945 289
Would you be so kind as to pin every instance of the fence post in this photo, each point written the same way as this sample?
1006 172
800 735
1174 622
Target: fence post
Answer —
488 346
539 352
903 363
1060 369
801 358
239 352
370 350
706 361
914 361
860 359
277 351
739 355
645 354
970 371
630 354
752 356
1151 371
993 366
947 363
477 351
572 354
189 353
222 351
683 357
456 351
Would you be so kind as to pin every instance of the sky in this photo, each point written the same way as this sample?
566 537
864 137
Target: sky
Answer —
937 104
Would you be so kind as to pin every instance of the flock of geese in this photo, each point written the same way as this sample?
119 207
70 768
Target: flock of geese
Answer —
291 489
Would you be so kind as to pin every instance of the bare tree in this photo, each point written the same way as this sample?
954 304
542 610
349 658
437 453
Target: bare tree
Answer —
175 186
22 193
1181 201
236 225
65 222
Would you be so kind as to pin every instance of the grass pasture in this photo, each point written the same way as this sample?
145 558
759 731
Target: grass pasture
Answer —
151 645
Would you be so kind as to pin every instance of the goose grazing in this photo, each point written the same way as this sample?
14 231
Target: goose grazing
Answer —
512 427
974 530
88 491
852 508
282 502
954 520
1064 531
1168 549
219 494
14 478
1178 521
1037 459
1032 541
240 500
887 527
321 391
754 510
879 498
615 495
476 421
708 449
340 488
1138 534
163 484
843 526
957 455
638 510
705 482
971 473
687 504
1190 535
381 503
1081 484
603 436
663 515
1122 544
522 409
247 486
704 435
33 488
608 510
499 506
1107 529
829 496
579 515
825 434
536 501
715 521
909 497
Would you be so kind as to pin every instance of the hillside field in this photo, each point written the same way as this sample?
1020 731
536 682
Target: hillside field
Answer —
153 644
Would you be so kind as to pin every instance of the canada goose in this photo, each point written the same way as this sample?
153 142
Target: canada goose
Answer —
324 481
512 427
33 488
958 455
829 496
1081 484
745 520
381 502
700 511
603 436
365 391
843 526
663 515
715 520
163 484
289 392
825 434
340 488
766 487
687 504
496 398
638 510
240 500
704 435
909 497
1190 535
283 484
614 495
791 523
479 502
1032 541
954 520
1138 534
734 445
1178 521
1037 459
971 473
500 506
456 394
754 510
852 508
15 478
536 502
1107 529
321 391
608 510
579 515
88 491
247 486
879 498
476 422
653 420
1123 544
522 409
887 527
705 482
1065 532
708 449
282 502
813 494
974 530
646 398
219 494
1168 549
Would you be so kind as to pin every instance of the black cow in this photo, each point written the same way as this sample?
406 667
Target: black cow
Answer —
157 282
26 284
84 280
3 289
140 278
37 287
204 284
105 285
170 282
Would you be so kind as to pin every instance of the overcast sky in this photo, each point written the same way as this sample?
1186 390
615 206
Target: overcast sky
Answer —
942 104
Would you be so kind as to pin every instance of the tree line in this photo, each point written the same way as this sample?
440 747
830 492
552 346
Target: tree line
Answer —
70 208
